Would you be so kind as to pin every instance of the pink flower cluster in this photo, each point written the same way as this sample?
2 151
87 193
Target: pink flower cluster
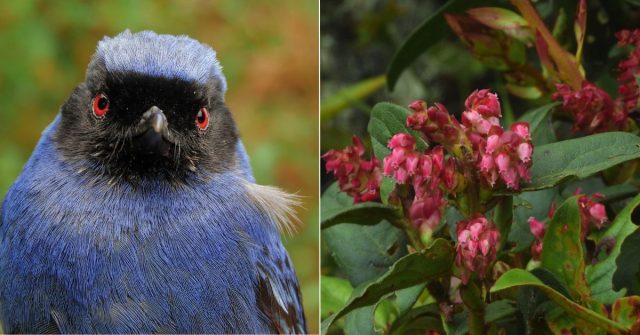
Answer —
507 154
504 154
437 125
592 108
537 229
358 177
429 174
499 154
592 213
629 69
478 240
481 115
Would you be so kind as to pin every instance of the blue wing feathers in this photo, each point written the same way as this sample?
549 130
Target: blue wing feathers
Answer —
94 258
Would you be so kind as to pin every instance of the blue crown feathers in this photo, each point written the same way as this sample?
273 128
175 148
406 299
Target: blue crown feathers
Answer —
161 55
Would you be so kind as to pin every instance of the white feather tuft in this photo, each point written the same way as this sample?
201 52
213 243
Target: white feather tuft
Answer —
278 204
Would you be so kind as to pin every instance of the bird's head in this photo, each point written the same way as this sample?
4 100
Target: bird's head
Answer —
151 106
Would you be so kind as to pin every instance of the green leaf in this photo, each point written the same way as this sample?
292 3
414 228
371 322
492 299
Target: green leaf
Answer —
375 319
364 252
519 277
396 305
334 293
404 299
361 252
385 313
579 158
348 96
387 120
627 267
499 309
530 92
551 280
430 31
418 321
418 267
386 187
360 321
459 325
452 216
625 311
562 252
534 305
618 192
595 184
366 213
602 275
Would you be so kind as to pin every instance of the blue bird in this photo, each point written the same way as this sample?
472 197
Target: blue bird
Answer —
138 212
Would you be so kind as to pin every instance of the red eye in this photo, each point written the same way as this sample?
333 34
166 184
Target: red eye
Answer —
100 105
202 118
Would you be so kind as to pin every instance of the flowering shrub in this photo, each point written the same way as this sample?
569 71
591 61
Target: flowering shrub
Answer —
483 219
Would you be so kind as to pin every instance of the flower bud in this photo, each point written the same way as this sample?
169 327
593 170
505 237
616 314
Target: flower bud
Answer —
476 251
435 123
592 213
484 102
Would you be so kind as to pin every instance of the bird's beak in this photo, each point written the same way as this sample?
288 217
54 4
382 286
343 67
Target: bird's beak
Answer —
151 135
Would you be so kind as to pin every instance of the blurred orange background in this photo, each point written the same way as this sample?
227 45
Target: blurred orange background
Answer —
269 52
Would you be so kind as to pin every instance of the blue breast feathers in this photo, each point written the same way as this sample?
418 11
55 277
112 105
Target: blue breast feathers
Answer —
83 257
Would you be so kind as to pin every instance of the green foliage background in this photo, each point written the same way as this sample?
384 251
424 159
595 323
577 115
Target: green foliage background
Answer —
269 51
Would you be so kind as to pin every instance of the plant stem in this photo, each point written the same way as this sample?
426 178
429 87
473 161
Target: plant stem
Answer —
471 295
472 190
412 234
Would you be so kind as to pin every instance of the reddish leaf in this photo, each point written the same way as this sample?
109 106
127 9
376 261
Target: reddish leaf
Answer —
580 27
568 69
625 311
543 53
505 20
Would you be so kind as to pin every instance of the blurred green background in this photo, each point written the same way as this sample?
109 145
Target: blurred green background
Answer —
269 51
